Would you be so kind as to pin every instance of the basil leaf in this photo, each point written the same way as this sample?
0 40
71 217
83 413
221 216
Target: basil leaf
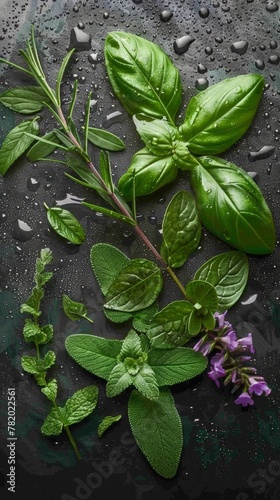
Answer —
158 135
228 273
182 157
16 143
169 327
80 405
181 229
95 354
143 77
147 173
25 100
105 140
66 225
218 116
157 429
106 261
136 286
106 423
173 366
232 207
42 149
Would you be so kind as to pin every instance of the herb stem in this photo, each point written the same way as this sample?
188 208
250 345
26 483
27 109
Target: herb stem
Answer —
68 432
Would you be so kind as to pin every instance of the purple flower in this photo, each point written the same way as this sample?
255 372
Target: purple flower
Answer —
230 340
247 343
244 399
202 347
258 386
220 317
217 370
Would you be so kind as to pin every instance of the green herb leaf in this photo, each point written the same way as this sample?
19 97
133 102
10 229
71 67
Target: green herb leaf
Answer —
106 423
74 310
241 216
228 273
81 404
42 149
117 316
181 229
119 380
16 143
158 135
106 261
146 174
218 116
141 319
157 429
105 170
169 327
48 360
136 286
53 425
143 77
203 293
95 354
24 100
29 364
61 72
173 366
32 332
105 140
109 213
50 390
47 330
66 225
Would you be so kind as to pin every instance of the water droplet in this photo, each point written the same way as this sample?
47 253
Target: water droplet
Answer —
254 176
79 40
201 83
166 15
182 44
203 12
263 153
240 47
201 68
137 1
21 231
216 4
273 44
152 219
259 64
208 51
218 39
112 118
106 15
93 58
32 184
272 8
274 59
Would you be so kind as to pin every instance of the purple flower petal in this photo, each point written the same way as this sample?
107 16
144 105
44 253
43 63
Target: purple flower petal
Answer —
247 343
258 386
244 399
230 340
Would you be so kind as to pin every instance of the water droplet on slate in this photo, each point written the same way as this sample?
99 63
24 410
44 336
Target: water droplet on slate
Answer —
166 15
182 44
254 176
262 154
32 184
274 59
203 12
79 40
259 64
239 47
93 58
152 219
201 83
21 231
115 117
272 8
3 217
208 51
273 44
106 15
201 68
216 4
137 1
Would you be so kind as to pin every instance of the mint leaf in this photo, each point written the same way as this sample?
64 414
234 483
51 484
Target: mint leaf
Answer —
157 429
25 100
95 354
29 364
106 423
50 390
16 143
32 332
119 380
53 424
81 404
74 310
173 366
136 286
141 319
106 262
169 327
48 360
66 225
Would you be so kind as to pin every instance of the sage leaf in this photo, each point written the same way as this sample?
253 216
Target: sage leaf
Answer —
106 424
173 366
81 404
25 100
181 229
157 429
106 261
74 310
117 316
158 135
16 143
228 273
232 207
169 327
95 354
50 390
42 149
143 77
218 116
53 424
66 225
119 380
105 140
136 286
146 174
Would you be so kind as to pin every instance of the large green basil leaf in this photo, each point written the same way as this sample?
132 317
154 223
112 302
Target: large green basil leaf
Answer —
169 327
158 135
228 273
136 286
181 229
232 207
218 116
143 77
157 429
147 173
